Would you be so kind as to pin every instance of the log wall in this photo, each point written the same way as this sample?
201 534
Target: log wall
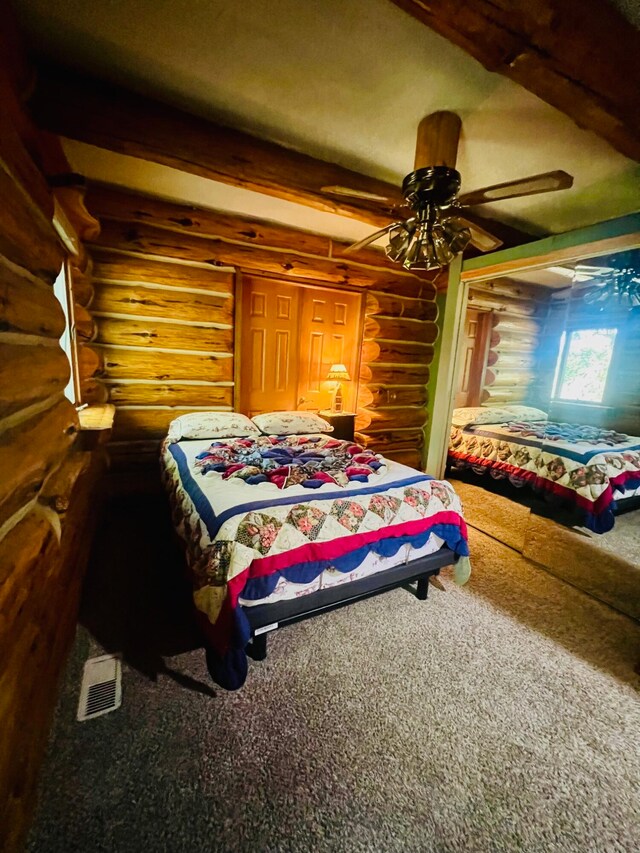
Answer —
163 312
518 311
397 349
47 483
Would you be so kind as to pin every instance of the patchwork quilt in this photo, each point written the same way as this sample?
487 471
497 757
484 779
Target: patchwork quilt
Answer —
290 460
584 466
241 538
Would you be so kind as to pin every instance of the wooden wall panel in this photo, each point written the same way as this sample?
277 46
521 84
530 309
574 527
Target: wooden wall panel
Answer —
146 422
517 313
27 304
45 519
40 580
147 332
150 240
30 374
163 312
121 267
396 353
151 364
164 335
29 451
388 441
169 394
157 302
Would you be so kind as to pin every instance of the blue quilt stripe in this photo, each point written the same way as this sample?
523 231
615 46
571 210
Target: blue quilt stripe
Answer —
214 522
529 441
200 500
548 447
257 588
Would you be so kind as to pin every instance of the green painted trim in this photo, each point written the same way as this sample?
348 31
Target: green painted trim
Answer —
441 299
448 365
602 231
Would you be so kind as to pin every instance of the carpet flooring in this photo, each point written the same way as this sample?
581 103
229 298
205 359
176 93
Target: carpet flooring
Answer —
606 566
501 716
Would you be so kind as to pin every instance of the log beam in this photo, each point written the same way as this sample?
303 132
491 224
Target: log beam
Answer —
105 115
580 56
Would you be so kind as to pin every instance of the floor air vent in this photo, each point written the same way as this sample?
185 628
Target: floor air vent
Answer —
101 689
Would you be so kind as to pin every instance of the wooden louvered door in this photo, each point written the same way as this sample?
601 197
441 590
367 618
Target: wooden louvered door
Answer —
290 336
270 345
329 334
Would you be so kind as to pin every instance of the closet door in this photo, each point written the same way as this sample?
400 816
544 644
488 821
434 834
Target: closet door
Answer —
330 334
269 345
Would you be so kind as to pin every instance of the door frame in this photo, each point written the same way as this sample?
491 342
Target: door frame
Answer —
605 238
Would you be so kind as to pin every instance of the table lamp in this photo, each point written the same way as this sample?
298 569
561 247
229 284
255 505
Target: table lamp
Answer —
339 374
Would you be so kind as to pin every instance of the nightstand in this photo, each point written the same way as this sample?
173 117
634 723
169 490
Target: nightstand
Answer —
343 423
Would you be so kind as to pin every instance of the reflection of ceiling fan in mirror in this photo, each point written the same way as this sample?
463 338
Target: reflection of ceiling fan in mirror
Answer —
601 285
438 226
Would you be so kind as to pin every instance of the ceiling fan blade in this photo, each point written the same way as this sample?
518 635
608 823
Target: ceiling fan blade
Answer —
354 247
335 190
544 183
481 239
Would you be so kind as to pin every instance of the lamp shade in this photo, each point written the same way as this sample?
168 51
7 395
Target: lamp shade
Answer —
338 372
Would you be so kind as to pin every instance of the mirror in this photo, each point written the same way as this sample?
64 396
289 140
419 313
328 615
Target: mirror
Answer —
545 433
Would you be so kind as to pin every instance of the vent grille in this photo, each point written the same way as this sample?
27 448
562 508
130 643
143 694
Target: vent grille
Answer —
101 689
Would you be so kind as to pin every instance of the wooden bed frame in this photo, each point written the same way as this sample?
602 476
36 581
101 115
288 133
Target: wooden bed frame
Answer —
265 618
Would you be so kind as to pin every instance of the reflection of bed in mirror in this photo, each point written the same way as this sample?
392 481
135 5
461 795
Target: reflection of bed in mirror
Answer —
591 471
548 395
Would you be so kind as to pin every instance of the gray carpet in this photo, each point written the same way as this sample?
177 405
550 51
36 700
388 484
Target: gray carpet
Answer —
498 717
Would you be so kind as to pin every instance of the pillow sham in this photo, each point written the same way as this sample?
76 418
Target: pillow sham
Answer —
480 415
211 425
526 413
291 423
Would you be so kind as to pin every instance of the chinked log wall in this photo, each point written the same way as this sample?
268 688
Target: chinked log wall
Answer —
164 317
47 483
517 310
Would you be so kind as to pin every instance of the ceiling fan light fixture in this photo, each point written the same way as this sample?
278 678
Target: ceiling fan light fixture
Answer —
440 246
456 235
399 241
420 255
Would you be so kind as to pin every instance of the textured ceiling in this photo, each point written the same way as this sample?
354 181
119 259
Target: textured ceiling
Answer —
344 80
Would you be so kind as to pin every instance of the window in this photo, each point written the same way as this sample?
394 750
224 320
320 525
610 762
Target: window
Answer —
67 340
583 365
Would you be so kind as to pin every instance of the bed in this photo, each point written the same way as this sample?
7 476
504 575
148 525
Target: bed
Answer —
594 471
263 553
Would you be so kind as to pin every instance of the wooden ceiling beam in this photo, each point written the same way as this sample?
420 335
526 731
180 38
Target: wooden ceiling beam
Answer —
580 56
98 113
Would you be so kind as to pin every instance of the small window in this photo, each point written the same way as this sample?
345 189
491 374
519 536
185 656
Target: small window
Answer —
67 340
583 365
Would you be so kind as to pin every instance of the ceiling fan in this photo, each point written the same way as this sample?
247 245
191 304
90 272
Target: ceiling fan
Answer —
437 226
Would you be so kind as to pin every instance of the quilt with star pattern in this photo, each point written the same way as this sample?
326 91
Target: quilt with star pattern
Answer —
238 534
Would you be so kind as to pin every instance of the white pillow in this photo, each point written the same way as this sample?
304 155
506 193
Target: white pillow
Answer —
480 415
211 425
291 423
526 413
